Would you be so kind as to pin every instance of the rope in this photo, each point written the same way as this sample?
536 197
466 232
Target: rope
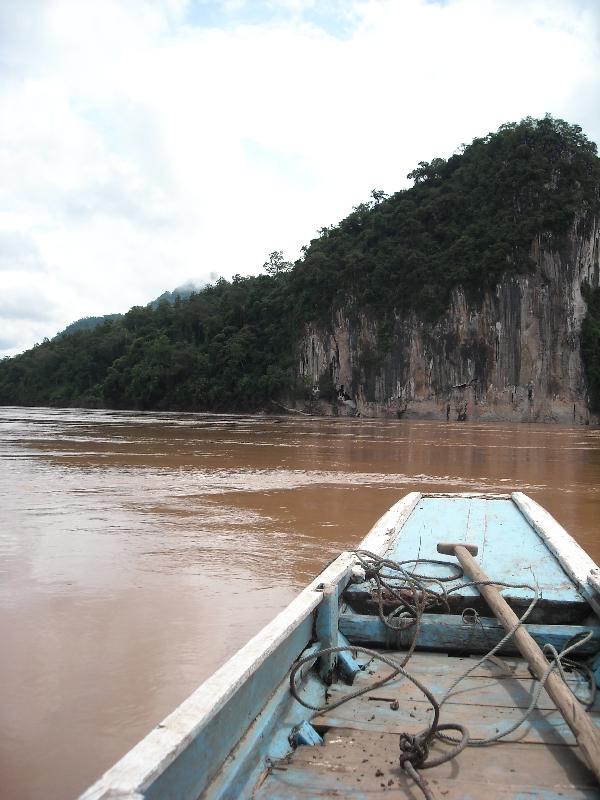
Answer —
373 566
414 749
557 659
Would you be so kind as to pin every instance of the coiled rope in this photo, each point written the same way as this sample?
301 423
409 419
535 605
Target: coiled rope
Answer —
414 748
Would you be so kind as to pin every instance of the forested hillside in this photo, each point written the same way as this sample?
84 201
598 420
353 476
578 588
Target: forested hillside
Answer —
229 346
466 221
87 324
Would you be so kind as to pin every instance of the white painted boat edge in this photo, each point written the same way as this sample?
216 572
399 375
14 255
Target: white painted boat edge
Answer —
476 495
571 556
385 530
153 754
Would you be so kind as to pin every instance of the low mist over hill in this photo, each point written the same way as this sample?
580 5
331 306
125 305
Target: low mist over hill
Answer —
182 292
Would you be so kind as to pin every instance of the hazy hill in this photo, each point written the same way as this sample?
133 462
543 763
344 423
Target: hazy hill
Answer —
182 292
87 324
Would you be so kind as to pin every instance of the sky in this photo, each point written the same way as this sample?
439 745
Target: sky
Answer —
146 143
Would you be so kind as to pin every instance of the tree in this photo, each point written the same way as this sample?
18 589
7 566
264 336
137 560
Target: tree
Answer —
378 195
276 264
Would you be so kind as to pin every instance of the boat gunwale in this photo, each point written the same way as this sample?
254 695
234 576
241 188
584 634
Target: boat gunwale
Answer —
574 560
151 756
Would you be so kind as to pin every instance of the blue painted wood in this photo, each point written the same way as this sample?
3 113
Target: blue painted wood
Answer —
268 727
305 734
268 740
596 669
347 664
326 629
190 773
505 693
226 758
509 548
448 633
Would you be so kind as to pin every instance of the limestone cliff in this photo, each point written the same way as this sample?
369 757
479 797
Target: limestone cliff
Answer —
512 354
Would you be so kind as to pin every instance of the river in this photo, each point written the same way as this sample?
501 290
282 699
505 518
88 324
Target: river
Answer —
138 551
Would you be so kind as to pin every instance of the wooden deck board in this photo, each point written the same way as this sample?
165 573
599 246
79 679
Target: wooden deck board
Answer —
360 755
358 764
448 633
509 547
424 663
484 687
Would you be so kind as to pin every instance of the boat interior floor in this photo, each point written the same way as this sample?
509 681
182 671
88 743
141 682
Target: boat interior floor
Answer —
360 754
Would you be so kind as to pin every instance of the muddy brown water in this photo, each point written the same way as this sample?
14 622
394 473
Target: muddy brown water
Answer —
139 551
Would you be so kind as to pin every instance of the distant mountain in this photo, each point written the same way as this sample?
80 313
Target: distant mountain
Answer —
182 292
87 324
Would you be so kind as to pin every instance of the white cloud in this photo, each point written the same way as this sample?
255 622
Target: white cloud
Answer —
144 143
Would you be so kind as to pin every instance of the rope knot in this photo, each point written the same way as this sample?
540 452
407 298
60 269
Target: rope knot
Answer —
413 749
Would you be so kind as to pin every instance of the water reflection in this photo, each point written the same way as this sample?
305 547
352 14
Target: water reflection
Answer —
138 551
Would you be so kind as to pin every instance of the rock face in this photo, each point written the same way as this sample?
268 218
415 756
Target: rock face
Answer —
514 354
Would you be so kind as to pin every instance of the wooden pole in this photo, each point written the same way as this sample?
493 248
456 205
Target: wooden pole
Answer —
585 731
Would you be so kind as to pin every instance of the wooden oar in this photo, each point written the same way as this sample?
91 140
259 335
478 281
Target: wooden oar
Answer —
584 730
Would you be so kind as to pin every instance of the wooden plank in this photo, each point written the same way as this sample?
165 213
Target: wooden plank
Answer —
573 558
347 664
585 731
476 495
485 705
445 664
449 633
386 528
438 670
503 693
326 629
542 727
362 597
550 766
359 765
193 741
509 548
291 784
267 738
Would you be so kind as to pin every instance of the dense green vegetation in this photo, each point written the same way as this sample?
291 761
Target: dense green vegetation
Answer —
227 347
466 220
87 324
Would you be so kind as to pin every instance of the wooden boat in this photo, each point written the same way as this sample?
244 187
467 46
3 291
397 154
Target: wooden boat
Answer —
243 734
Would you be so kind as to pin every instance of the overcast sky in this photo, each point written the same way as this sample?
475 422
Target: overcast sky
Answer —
144 143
